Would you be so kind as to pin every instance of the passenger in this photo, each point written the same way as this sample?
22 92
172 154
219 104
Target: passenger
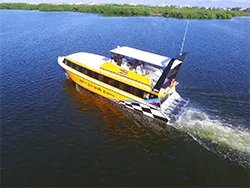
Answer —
136 63
143 69
124 65
114 61
123 59
133 68
140 67
119 60
139 70
129 64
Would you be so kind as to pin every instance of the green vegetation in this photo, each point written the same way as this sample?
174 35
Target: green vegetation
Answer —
20 6
140 10
198 13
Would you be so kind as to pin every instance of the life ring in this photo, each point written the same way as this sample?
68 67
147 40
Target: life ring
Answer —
172 84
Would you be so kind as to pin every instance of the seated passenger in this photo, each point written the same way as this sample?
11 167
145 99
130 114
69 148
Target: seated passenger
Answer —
124 65
129 64
119 60
134 65
123 60
113 61
138 70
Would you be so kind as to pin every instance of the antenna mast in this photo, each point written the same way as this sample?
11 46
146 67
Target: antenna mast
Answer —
184 38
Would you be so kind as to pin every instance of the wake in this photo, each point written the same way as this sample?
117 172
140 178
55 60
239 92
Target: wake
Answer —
217 136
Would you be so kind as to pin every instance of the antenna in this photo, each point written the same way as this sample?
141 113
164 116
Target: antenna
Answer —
184 38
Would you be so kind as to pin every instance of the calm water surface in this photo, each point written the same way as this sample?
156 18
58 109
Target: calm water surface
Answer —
54 133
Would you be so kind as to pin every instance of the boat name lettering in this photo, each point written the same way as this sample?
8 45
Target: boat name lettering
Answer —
97 88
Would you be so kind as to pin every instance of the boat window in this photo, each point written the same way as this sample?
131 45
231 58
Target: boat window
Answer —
152 96
77 67
125 87
84 71
81 69
73 66
100 77
111 82
90 73
65 61
146 95
138 92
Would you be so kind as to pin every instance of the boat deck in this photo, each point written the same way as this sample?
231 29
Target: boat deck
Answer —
91 60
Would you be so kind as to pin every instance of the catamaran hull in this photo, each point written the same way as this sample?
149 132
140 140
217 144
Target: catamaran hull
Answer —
143 108
93 86
169 115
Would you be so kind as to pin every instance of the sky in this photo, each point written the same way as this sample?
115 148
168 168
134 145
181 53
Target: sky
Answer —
213 3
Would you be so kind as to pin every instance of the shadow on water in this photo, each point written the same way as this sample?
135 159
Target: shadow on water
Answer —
215 135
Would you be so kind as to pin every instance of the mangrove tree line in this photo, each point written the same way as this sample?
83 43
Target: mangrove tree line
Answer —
139 10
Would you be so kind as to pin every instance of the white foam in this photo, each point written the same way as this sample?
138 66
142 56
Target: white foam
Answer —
232 141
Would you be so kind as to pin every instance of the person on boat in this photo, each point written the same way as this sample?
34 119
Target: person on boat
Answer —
140 68
136 63
125 65
173 83
119 60
113 59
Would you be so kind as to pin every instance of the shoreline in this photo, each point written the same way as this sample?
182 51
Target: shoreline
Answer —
130 10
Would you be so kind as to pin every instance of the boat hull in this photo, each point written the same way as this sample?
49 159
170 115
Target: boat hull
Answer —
93 86
125 101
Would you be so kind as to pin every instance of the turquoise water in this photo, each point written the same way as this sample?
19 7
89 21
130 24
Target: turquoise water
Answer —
54 133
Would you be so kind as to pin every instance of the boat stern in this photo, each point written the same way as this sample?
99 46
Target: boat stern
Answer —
172 105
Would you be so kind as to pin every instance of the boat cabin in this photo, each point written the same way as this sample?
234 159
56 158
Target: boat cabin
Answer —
146 64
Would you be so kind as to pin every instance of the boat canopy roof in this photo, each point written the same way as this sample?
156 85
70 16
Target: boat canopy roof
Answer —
154 59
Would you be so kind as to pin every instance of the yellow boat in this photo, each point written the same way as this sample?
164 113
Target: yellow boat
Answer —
140 80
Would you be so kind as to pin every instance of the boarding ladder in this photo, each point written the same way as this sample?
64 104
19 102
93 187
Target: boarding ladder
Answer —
172 105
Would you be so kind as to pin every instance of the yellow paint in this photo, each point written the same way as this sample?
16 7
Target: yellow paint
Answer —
126 73
168 91
124 80
101 88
